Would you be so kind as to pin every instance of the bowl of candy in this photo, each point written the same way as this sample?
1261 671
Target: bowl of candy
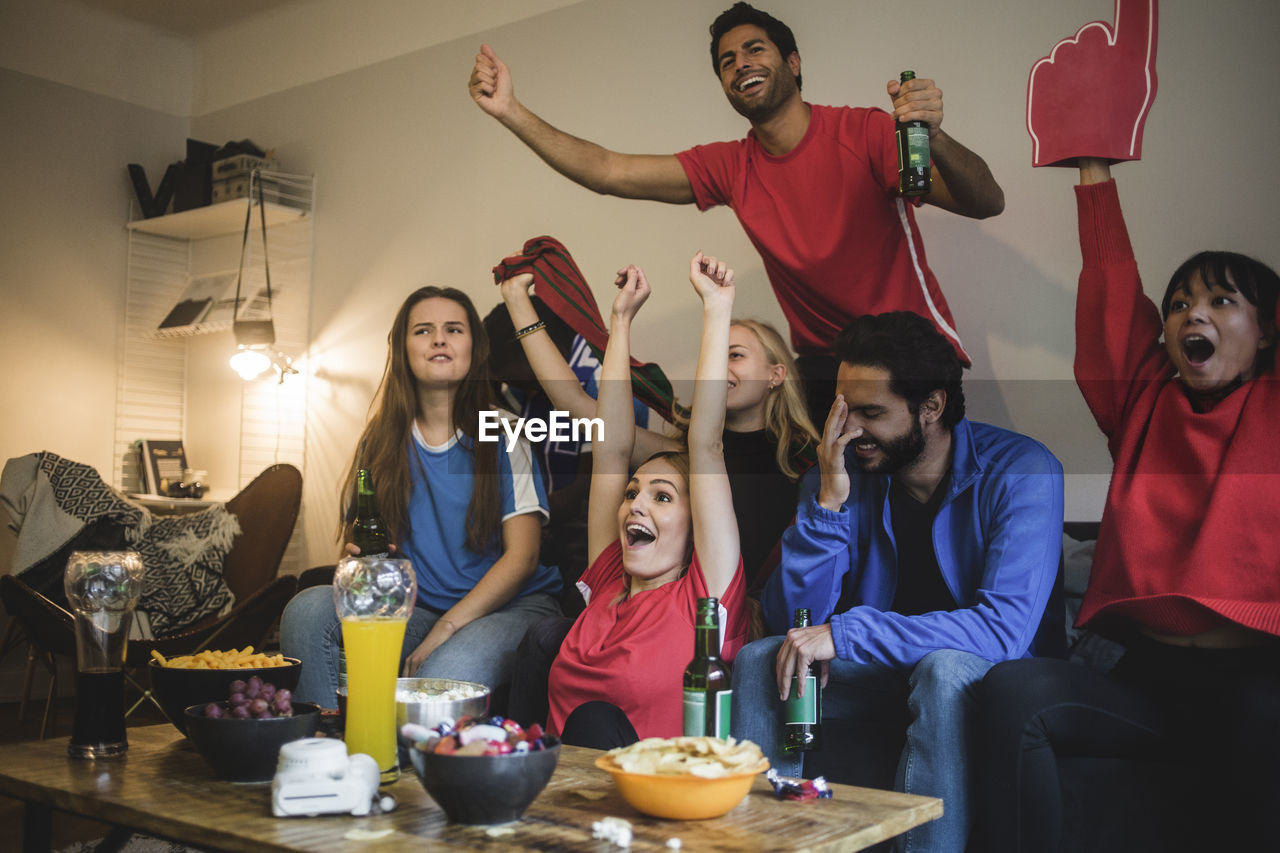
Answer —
684 778
241 737
179 682
482 770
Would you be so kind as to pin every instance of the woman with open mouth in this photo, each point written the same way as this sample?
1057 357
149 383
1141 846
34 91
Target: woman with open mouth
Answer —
1186 573
657 541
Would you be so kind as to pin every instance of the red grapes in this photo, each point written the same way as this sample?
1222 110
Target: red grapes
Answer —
253 698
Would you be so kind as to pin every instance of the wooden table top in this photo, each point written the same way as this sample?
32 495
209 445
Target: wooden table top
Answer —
163 786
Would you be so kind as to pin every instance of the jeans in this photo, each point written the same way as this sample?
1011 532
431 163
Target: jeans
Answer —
939 697
483 651
1215 710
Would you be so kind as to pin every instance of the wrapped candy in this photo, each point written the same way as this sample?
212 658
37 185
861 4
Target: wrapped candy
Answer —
786 788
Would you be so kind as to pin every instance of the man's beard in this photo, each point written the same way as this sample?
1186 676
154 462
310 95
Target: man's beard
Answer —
764 107
899 451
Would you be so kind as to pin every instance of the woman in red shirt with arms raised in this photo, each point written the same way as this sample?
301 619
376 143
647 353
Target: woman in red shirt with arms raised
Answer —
1187 568
657 541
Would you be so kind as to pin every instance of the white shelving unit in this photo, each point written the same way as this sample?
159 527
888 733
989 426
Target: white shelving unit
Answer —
175 383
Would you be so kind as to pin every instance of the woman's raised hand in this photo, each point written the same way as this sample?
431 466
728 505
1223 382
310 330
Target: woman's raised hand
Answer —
517 286
633 290
711 278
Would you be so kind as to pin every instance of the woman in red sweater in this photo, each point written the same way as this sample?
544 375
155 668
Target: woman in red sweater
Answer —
1187 568
657 541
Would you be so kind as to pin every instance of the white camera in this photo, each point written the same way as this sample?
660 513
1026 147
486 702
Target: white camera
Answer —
316 776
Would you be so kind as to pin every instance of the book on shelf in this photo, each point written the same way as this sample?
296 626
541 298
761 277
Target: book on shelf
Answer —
162 462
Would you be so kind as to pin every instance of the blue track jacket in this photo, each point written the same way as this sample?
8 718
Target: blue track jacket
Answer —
997 536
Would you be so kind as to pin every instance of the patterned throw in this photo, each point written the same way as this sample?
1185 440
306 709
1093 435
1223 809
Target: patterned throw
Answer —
182 555
559 283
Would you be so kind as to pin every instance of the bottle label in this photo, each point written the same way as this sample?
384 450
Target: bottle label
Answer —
695 713
698 705
801 710
917 147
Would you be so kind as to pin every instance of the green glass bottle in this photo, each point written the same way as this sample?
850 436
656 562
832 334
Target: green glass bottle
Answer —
803 715
913 153
707 691
368 533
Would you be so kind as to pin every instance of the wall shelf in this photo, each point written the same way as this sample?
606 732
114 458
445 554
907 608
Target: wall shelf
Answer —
214 220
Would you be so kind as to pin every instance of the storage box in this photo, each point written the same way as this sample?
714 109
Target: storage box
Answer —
229 189
241 165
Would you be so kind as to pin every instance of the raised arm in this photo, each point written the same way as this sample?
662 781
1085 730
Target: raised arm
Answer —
646 176
715 526
610 455
556 376
962 182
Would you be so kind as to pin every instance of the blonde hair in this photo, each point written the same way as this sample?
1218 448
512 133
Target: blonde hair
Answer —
786 417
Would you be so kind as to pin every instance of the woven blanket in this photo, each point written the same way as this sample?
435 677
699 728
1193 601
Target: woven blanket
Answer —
559 283
51 499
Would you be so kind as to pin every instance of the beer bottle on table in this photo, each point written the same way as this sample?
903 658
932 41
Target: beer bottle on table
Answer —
803 715
913 152
707 691
368 533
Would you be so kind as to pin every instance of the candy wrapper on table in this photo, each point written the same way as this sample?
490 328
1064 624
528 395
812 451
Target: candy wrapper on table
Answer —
786 788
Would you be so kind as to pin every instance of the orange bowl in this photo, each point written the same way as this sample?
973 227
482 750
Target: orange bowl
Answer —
684 796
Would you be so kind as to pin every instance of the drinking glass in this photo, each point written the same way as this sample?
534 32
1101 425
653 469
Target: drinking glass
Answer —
102 588
374 597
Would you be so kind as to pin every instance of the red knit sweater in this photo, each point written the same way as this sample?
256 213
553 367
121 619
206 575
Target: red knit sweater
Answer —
1191 531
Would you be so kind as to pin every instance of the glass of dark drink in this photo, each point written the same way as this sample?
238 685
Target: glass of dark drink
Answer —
102 588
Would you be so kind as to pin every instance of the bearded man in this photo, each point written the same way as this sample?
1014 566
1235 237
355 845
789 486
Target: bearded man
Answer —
926 548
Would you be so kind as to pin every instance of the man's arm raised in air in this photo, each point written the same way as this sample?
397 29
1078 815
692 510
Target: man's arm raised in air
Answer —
647 176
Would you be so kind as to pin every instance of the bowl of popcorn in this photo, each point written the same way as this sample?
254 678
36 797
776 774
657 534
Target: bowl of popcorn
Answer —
483 770
179 682
684 778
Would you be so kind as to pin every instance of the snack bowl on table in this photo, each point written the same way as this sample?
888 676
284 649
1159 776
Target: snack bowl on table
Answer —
176 688
681 796
245 750
429 702
485 789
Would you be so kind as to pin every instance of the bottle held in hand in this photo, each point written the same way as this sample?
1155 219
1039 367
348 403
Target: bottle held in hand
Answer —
803 714
913 153
707 691
368 533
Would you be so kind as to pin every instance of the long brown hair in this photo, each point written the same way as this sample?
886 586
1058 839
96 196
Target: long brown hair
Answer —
385 444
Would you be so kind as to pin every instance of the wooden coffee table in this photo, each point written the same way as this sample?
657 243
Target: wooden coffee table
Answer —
163 787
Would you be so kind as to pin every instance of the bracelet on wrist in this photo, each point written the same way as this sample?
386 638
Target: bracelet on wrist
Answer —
529 330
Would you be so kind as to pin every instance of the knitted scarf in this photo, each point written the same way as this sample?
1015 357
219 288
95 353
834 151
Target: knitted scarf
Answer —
559 283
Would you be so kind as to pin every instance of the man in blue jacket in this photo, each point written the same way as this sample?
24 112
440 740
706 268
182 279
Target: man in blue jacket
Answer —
925 547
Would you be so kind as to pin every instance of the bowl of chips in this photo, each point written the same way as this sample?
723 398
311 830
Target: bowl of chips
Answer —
684 778
180 682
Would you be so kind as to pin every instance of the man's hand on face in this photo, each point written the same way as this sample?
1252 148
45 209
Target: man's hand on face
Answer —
834 488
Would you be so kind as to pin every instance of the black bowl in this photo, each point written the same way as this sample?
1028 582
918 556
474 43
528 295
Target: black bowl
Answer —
246 750
175 689
486 789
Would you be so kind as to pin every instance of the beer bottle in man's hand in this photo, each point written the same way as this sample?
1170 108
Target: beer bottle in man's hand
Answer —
803 715
368 533
913 152
707 691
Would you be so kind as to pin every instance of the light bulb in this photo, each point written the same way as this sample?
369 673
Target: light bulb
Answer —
250 362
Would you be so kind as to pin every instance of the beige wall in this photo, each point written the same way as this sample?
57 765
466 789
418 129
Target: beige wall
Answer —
416 186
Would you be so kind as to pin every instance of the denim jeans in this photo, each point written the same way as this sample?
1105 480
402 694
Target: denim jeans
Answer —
936 760
483 651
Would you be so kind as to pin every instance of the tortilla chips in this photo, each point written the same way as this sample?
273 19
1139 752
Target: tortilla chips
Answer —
708 757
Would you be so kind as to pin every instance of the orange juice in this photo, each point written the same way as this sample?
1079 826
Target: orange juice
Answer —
373 662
